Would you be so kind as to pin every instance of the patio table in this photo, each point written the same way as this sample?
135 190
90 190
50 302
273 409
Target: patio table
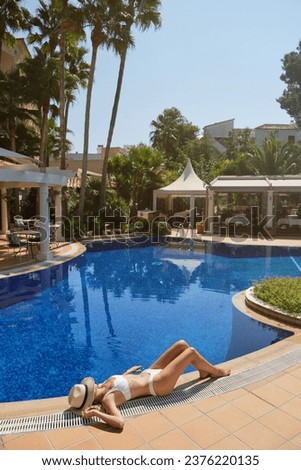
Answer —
29 221
289 221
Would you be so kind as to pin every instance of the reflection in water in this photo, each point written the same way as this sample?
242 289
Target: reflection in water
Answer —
170 277
86 306
143 273
106 311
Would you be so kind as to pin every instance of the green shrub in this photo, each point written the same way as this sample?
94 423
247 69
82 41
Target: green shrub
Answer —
283 293
160 228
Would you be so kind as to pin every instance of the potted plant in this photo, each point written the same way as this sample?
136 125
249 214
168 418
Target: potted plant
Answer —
200 227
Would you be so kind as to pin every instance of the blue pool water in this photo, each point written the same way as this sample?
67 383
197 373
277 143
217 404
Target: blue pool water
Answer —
106 311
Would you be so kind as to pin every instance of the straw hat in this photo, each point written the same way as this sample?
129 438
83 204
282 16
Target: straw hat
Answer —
81 396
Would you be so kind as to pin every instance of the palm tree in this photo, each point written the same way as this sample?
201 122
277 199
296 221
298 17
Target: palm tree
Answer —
275 157
100 16
50 32
77 73
51 28
45 29
171 131
62 45
143 14
13 110
40 75
13 17
70 31
74 74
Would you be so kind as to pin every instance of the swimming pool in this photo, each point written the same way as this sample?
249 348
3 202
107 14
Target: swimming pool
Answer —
106 311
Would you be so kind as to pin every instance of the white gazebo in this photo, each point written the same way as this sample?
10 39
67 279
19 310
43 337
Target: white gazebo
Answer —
17 170
187 185
268 187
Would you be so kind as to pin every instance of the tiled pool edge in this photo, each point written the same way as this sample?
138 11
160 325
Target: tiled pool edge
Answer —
140 406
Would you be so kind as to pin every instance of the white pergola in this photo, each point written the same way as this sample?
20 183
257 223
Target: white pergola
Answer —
19 171
187 185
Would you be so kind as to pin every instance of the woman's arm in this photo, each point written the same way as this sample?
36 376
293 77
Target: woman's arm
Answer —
133 369
113 418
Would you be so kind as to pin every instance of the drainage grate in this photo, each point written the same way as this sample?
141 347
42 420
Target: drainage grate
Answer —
208 389
67 419
140 406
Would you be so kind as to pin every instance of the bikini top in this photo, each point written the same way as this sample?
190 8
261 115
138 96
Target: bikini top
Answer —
121 385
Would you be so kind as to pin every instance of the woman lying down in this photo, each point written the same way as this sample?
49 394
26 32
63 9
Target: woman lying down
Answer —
89 399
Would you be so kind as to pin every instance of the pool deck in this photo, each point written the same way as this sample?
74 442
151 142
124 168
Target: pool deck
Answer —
264 415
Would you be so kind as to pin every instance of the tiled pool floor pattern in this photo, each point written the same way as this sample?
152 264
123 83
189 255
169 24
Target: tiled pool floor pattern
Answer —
265 414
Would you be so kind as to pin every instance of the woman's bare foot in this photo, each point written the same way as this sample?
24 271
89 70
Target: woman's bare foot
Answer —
204 375
219 372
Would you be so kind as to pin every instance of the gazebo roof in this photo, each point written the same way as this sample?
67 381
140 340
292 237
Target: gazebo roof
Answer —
290 183
187 184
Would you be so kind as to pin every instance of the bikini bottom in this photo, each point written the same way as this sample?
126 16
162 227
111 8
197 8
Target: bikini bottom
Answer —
152 373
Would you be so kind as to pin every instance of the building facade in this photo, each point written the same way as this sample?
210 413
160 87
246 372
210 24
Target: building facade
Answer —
221 130
95 160
11 56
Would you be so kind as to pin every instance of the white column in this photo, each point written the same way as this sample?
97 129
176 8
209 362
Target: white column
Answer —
210 202
58 215
4 221
44 253
192 211
154 201
269 206
210 209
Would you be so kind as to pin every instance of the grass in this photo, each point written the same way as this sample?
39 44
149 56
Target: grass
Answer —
283 293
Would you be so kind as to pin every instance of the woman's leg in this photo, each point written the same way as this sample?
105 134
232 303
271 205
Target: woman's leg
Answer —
165 381
170 354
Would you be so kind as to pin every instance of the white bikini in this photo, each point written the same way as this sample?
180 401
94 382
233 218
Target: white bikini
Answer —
121 384
152 373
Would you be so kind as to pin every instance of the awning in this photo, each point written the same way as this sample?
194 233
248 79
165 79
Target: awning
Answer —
290 183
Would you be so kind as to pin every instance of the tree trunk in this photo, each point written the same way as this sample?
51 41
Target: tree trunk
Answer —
62 43
12 134
62 101
86 133
111 131
44 132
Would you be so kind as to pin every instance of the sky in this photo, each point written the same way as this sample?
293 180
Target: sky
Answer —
212 59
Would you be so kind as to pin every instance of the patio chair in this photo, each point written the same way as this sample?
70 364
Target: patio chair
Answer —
53 232
34 241
14 242
18 220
